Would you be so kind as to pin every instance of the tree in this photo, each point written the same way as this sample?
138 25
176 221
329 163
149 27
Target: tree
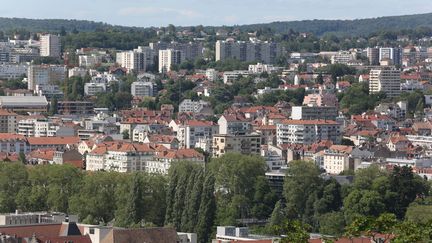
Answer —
332 224
363 203
13 177
278 214
263 200
382 226
125 134
207 209
302 179
130 209
293 231
53 106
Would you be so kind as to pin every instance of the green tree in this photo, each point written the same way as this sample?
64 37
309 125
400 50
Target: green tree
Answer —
53 106
278 215
129 211
264 199
207 209
332 224
293 231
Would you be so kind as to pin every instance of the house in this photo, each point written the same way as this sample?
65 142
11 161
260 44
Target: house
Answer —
13 143
60 143
398 143
336 159
168 141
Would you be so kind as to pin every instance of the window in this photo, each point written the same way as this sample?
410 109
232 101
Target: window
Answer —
91 231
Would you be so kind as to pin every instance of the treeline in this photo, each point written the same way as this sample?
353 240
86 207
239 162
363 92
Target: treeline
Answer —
191 198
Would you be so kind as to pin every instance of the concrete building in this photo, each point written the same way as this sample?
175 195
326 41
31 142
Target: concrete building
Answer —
169 57
190 133
44 75
385 80
261 68
162 161
308 131
50 46
8 121
187 105
77 72
262 51
24 103
337 159
13 143
142 89
373 56
314 112
245 144
138 60
13 71
393 54
343 57
89 60
231 76
211 74
75 107
92 89
234 125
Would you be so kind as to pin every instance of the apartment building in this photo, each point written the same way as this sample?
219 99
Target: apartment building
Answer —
168 58
308 131
137 60
391 54
385 80
337 159
13 71
142 89
163 160
50 46
314 112
8 123
245 144
190 133
234 125
263 51
187 105
92 89
45 75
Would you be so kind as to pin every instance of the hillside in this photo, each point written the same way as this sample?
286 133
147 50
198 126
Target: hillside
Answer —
348 27
318 27
49 25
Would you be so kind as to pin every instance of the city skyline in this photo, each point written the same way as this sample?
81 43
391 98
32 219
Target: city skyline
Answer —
144 13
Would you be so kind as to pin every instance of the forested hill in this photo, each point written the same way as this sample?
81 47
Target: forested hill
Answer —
348 27
318 27
50 25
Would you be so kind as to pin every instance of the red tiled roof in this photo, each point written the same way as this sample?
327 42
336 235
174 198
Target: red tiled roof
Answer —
197 123
309 122
53 140
9 136
180 154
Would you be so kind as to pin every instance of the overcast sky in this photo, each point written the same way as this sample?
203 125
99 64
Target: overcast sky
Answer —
208 12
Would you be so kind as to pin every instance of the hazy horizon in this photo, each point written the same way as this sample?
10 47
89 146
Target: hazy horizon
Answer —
144 13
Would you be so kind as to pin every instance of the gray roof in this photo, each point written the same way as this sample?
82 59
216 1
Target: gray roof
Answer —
28 101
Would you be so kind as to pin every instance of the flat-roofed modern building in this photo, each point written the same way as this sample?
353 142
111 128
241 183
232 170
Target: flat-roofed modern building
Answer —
24 103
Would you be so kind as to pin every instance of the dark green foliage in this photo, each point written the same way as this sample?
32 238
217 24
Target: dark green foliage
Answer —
358 100
130 205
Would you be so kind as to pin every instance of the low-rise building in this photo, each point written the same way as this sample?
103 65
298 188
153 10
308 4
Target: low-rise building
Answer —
92 89
308 131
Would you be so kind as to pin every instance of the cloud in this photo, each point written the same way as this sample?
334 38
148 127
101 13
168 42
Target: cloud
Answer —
156 11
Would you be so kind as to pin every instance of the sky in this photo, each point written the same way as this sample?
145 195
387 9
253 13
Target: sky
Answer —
145 13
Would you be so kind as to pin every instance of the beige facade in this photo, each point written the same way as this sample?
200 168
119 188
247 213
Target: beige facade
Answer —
245 144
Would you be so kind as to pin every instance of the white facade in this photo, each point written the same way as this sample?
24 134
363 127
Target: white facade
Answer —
77 72
308 131
230 77
211 74
138 60
142 89
50 46
44 75
169 57
261 68
89 60
188 105
35 128
92 89
314 112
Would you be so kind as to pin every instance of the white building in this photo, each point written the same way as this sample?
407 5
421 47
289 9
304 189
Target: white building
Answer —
308 131
187 105
211 74
385 80
37 128
89 60
138 60
314 112
77 72
194 131
234 125
337 159
230 77
169 57
92 89
50 46
343 57
261 68
254 50
142 89
162 161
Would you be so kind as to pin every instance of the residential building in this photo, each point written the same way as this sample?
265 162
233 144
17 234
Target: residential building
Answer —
89 60
321 99
231 76
13 71
187 105
8 121
60 143
245 144
234 125
336 159
262 51
392 54
261 68
168 58
13 143
211 74
308 131
50 46
373 55
190 133
385 80
163 160
343 57
45 75
138 60
92 89
314 112
77 72
142 89
231 234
